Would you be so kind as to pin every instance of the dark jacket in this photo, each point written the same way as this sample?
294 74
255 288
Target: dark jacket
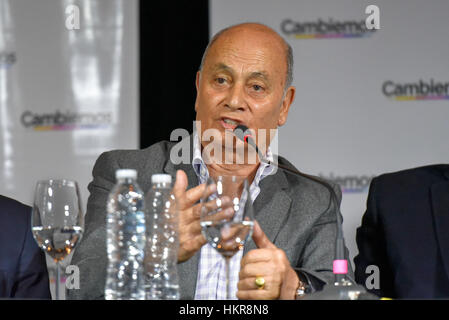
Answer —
23 270
405 232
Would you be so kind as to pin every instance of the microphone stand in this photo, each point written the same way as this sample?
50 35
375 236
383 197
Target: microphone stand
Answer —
343 288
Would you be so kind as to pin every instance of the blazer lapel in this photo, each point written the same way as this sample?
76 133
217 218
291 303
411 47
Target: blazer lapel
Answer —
440 206
271 207
171 168
188 270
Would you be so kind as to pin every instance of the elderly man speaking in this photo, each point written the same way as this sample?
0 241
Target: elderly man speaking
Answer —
244 79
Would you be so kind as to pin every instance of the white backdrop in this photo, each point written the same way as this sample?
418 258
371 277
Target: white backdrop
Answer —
342 126
66 95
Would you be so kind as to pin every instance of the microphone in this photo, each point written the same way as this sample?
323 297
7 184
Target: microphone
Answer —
343 288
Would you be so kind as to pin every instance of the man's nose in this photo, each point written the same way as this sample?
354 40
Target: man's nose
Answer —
236 98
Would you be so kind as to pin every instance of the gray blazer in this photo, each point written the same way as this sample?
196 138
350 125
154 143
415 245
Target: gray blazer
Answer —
296 214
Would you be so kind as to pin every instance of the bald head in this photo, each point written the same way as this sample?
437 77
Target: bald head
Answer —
253 30
244 80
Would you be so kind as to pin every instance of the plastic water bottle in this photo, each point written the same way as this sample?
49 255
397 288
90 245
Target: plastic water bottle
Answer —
161 252
125 225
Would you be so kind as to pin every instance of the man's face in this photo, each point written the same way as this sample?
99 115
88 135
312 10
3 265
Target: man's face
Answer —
243 82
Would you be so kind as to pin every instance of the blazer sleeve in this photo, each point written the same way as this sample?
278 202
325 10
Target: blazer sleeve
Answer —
32 277
319 252
91 256
372 246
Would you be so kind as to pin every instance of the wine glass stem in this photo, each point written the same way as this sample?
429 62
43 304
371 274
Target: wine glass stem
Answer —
228 293
58 279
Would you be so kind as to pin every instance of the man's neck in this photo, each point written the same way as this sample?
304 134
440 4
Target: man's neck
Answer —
242 170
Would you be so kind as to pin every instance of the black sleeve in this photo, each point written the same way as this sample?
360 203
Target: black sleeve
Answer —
31 278
372 247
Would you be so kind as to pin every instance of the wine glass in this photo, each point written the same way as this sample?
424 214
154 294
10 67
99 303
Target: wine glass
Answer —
57 220
227 217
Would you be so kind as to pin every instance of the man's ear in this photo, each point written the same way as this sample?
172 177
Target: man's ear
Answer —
289 97
197 85
197 80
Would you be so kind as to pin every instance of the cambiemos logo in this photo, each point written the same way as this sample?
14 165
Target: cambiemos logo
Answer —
7 59
350 183
420 90
330 29
67 120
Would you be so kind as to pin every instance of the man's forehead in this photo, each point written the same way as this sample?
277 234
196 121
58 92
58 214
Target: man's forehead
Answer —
252 48
243 38
228 51
220 66
252 29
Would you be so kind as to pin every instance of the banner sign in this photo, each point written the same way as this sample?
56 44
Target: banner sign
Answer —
372 81
68 89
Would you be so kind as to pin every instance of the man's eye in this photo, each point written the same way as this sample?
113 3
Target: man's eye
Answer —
220 80
256 87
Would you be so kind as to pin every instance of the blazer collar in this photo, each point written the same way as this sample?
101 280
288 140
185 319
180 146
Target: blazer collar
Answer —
181 148
272 206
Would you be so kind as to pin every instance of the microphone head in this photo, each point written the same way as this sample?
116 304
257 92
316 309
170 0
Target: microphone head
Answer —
241 131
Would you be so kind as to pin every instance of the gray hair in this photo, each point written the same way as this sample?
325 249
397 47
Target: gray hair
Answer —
289 56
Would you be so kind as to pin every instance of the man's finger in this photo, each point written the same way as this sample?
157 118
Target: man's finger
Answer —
221 216
260 238
188 248
250 283
193 195
187 198
254 295
256 269
256 255
214 204
181 184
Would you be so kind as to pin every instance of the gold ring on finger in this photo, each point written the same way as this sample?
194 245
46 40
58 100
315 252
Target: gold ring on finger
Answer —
260 282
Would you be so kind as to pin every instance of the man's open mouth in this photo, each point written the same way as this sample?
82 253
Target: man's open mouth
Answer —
229 123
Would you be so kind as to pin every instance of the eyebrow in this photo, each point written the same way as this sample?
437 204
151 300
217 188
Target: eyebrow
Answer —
260 74
255 74
221 66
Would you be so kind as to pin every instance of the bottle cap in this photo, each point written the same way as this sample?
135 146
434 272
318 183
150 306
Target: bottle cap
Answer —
126 173
161 178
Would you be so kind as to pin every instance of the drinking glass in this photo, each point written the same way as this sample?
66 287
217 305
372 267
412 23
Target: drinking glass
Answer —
227 217
57 220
